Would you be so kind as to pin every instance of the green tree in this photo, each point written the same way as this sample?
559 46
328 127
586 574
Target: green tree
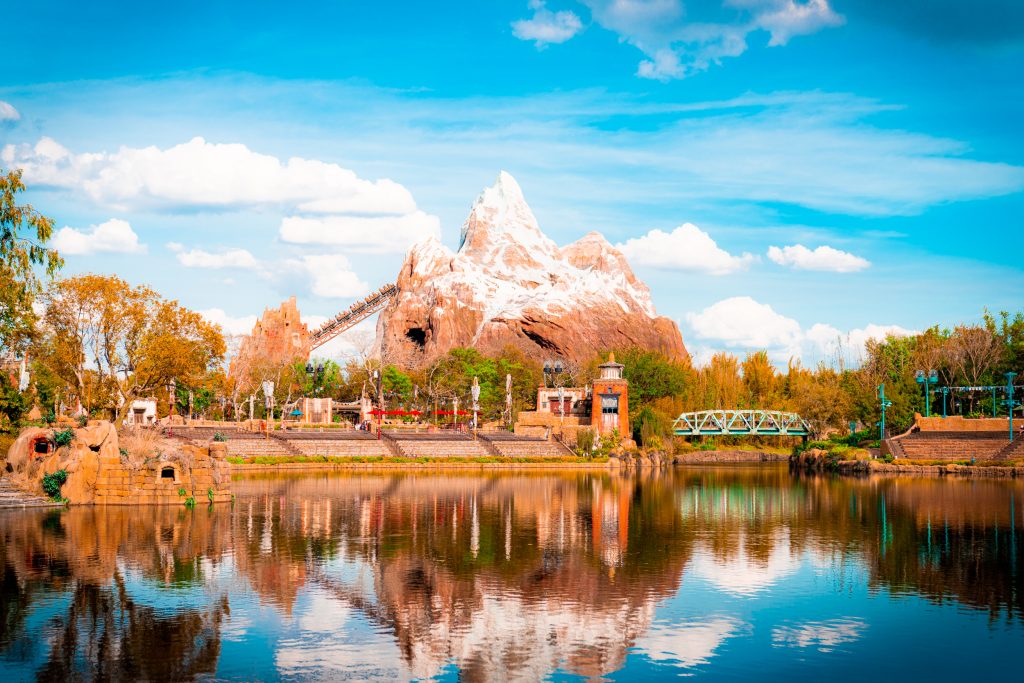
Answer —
24 233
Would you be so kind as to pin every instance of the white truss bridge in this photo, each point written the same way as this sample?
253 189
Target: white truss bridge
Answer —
740 423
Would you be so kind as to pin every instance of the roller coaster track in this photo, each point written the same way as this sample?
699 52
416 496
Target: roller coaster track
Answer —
356 313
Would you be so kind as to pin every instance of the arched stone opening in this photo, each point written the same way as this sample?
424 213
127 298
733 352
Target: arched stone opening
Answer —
42 446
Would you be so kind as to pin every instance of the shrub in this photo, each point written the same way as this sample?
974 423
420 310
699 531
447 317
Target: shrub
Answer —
585 442
63 437
50 418
190 502
209 494
217 436
53 482
83 420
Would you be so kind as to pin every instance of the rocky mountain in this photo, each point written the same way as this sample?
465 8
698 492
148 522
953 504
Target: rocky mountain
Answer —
279 337
510 284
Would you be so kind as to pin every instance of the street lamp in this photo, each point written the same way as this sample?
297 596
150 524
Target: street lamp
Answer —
885 404
552 368
268 394
932 377
945 394
172 388
1010 403
475 393
379 382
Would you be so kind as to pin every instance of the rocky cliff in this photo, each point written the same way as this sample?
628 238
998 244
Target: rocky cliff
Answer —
279 337
509 284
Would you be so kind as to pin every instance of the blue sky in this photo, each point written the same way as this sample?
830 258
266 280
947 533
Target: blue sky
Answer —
885 133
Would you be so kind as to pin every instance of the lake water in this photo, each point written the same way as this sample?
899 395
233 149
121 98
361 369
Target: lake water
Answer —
716 573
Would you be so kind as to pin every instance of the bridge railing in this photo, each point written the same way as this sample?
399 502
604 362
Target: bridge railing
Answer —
740 422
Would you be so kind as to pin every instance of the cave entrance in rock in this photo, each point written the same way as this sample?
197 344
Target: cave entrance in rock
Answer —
167 473
417 335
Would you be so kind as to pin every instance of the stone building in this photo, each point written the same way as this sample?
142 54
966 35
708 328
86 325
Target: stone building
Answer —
603 406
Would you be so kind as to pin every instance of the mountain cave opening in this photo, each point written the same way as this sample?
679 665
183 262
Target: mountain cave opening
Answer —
417 335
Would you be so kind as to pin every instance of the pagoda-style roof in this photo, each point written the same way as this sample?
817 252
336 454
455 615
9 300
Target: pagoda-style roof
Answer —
610 363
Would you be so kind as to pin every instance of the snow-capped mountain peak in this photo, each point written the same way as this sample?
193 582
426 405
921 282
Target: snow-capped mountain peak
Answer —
510 283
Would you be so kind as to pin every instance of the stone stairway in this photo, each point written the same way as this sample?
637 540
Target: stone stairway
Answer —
339 448
509 446
1012 451
437 446
949 445
13 497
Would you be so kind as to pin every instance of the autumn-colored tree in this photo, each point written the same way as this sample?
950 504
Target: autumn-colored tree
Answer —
129 339
759 381
24 233
720 383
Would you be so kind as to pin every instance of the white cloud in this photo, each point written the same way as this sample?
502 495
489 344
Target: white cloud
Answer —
381 234
822 258
827 342
113 236
685 248
743 324
823 635
229 258
546 27
688 644
741 573
230 324
8 112
326 275
785 19
677 46
206 175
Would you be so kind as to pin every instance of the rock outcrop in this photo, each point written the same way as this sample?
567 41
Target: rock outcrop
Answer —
99 471
278 338
509 284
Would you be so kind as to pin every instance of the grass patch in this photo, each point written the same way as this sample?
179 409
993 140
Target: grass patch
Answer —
393 460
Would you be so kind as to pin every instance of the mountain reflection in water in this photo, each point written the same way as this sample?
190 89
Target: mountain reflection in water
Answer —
522 576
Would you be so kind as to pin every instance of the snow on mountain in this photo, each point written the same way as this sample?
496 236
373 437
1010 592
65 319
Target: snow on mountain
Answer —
510 283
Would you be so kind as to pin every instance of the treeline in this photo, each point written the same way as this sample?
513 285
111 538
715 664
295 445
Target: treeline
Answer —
97 343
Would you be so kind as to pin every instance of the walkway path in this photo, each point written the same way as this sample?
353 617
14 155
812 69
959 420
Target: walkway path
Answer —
13 497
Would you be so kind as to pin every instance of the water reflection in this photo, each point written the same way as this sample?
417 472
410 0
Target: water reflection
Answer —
505 576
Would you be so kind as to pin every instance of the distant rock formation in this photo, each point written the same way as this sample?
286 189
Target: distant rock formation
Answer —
509 284
278 338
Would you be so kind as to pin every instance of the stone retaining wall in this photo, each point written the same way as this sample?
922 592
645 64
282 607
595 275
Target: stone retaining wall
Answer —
728 456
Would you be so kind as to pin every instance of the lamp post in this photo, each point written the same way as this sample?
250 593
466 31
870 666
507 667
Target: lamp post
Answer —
885 404
945 394
1010 403
172 388
268 394
475 393
927 379
378 380
552 368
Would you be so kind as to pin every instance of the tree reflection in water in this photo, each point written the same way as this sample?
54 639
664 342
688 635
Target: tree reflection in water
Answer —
500 575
